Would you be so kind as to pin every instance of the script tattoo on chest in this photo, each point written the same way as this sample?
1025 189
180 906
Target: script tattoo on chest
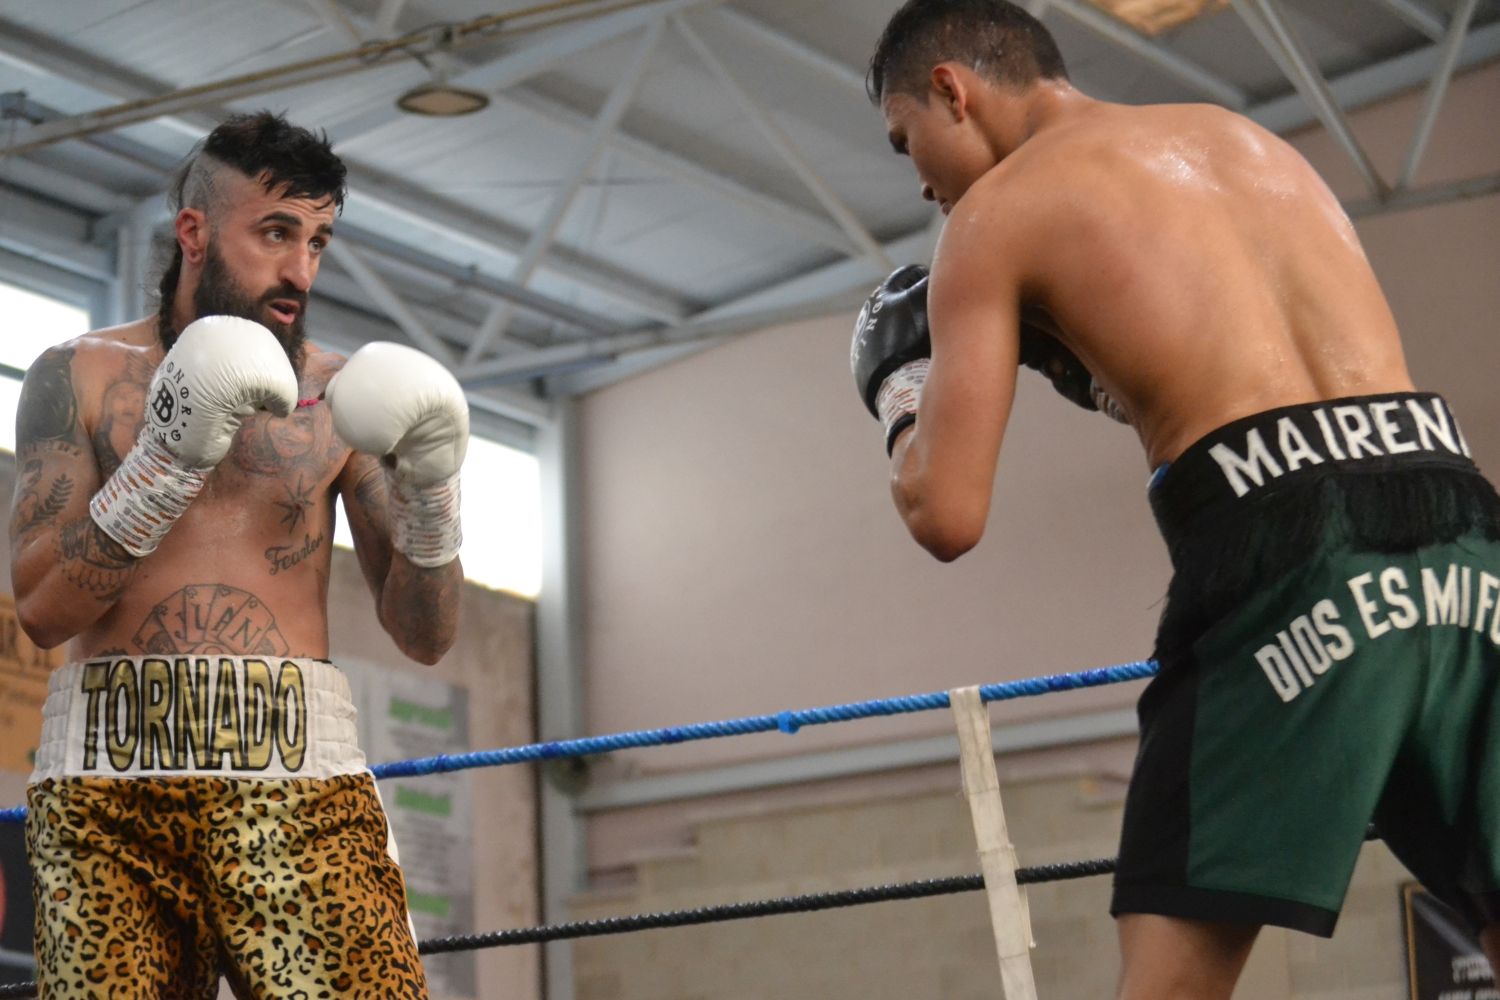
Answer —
284 557
211 618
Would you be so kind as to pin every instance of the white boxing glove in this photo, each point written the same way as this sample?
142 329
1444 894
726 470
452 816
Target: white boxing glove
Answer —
398 403
221 370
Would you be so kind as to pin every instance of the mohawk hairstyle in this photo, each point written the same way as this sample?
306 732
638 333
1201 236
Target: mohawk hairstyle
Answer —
262 146
997 39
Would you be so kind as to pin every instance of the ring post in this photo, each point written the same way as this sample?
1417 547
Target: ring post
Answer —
1009 913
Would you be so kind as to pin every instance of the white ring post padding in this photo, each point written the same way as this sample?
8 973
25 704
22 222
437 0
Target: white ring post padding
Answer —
1009 913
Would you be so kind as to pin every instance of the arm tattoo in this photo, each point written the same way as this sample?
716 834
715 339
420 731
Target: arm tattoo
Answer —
121 414
93 561
34 510
427 604
47 410
370 492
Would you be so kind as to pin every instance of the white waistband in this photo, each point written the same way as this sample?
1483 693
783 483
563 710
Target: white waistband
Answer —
210 716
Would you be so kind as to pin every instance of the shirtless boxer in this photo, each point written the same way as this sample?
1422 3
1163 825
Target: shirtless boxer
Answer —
1329 645
199 801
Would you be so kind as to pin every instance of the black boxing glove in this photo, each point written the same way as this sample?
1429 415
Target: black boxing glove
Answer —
892 349
1042 351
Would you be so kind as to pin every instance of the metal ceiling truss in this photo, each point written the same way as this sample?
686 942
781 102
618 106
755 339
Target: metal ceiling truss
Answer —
813 294
424 211
586 156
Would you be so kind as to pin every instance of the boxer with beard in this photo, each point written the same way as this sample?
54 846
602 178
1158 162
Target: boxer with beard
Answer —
200 805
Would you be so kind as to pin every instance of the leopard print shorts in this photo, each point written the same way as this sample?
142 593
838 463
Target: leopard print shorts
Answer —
153 887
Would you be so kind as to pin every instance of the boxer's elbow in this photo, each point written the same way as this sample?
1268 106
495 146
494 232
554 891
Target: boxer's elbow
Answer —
425 645
47 619
420 608
944 541
945 527
41 623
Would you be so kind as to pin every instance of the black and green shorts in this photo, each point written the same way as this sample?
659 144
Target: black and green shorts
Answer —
1330 657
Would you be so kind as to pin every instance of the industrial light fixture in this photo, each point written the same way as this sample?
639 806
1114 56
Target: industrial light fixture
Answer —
1152 17
441 99
438 98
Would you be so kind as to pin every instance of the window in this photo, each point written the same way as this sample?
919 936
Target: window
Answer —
502 514
502 486
33 323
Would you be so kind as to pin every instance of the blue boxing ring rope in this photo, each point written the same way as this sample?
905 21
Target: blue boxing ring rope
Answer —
788 722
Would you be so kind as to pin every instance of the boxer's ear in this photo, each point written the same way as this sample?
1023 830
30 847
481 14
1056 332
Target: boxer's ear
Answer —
950 89
192 232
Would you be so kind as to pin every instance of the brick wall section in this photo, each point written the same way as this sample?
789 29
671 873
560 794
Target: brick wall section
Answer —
942 948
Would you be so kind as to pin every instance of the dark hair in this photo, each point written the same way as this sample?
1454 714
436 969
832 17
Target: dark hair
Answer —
998 40
262 146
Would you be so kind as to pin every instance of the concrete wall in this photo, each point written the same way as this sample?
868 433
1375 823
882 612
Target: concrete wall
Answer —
741 555
941 948
493 659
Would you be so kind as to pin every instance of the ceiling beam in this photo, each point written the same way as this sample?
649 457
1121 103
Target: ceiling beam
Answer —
1370 84
545 230
846 76
1406 199
763 206
422 211
539 53
504 69
567 357
1432 103
784 146
43 232
1266 23
1417 15
389 302
1123 36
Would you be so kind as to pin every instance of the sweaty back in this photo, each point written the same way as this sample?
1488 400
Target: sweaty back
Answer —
1203 271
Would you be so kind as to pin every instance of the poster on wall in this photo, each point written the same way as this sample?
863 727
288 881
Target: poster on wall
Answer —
1443 957
23 687
403 717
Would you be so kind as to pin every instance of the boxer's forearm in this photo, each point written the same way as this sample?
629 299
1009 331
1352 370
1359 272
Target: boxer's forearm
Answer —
419 607
66 578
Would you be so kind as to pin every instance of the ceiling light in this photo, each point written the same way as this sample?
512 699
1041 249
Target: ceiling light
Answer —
442 100
1152 17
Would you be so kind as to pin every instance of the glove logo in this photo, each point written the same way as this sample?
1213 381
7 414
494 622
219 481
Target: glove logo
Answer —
163 407
862 326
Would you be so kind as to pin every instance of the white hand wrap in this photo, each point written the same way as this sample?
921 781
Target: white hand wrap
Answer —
145 496
220 371
896 402
398 403
1107 404
425 525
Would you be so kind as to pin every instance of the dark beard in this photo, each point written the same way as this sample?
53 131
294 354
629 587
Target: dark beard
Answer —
219 294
